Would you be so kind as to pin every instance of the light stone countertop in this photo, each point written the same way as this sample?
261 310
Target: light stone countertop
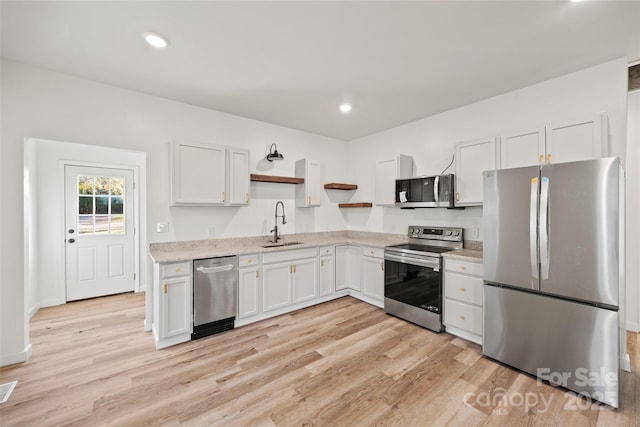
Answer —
198 249
464 254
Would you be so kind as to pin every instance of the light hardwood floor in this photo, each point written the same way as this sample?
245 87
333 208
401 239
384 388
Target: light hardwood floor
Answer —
341 363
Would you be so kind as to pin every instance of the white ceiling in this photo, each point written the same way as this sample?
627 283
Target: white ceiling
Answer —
293 63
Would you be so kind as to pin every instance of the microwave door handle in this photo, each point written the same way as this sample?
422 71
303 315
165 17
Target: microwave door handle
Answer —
435 189
533 228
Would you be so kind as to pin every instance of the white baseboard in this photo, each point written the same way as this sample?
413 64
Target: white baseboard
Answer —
633 326
52 302
34 310
627 363
11 359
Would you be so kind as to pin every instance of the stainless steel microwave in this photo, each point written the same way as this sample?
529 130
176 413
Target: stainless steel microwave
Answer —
425 192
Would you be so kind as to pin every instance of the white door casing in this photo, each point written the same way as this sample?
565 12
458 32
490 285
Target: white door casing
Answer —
99 231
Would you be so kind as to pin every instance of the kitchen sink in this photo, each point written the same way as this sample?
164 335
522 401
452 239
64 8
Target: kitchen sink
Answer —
277 245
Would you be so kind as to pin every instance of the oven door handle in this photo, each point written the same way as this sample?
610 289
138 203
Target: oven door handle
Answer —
403 259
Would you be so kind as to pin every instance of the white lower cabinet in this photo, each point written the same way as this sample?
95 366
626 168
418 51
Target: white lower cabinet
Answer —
173 307
463 298
373 273
249 281
327 271
276 286
289 277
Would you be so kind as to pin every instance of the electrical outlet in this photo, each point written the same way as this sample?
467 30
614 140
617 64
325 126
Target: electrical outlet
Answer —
162 227
475 233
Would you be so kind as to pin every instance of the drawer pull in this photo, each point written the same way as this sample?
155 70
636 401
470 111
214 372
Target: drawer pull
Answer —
462 317
177 270
463 289
462 267
249 261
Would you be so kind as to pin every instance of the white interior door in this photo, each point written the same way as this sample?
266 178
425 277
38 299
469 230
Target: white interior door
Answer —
99 231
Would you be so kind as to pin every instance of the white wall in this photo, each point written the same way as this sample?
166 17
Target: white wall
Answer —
431 142
43 104
633 213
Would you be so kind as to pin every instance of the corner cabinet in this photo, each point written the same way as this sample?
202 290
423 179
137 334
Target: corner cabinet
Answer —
387 171
308 193
208 175
348 267
473 158
373 273
327 271
173 306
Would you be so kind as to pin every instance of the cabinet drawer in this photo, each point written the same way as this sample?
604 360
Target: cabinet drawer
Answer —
373 252
467 267
462 287
463 316
326 250
289 255
176 269
248 260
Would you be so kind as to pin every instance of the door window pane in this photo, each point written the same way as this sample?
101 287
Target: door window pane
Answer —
116 205
85 224
85 205
101 205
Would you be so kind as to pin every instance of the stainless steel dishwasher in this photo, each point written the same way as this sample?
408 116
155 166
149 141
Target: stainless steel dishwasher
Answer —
215 295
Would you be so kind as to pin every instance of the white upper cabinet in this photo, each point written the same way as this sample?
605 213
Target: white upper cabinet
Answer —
238 182
387 171
208 175
525 148
473 158
308 193
575 140
565 141
198 173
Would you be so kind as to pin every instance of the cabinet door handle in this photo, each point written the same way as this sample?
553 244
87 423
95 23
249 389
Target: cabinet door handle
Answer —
309 199
166 288
457 197
246 197
321 263
294 268
548 158
290 268
257 274
541 159
224 196
382 266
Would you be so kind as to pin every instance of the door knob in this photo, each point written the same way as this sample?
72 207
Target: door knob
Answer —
71 240
71 231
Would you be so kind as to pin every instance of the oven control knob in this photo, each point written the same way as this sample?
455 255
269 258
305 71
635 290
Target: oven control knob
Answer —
448 233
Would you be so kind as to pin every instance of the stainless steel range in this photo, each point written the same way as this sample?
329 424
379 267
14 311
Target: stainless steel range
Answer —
413 274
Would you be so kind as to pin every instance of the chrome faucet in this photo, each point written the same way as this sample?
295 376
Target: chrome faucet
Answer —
284 221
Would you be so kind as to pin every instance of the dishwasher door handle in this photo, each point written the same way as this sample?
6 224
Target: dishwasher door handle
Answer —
217 269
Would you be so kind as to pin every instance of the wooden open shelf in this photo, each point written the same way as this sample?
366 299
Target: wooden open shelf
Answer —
355 205
278 179
336 186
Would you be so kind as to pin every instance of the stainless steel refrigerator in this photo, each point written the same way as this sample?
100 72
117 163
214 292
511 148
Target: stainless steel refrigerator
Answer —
554 273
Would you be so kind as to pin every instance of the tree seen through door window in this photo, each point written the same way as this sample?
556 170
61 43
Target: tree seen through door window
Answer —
100 205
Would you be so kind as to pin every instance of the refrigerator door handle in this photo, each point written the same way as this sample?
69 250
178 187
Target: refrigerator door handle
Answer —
435 189
533 228
544 228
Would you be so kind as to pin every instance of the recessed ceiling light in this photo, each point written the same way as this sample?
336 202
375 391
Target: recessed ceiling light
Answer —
576 1
155 40
345 108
